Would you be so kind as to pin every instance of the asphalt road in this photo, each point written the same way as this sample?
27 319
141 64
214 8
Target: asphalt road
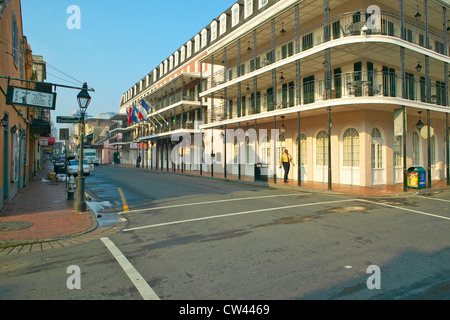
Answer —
191 238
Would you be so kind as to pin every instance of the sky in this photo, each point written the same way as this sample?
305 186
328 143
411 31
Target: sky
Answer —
117 43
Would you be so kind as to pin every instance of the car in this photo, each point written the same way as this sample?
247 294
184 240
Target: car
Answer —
59 165
72 168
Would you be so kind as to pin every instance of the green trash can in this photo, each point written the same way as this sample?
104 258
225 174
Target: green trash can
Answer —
417 178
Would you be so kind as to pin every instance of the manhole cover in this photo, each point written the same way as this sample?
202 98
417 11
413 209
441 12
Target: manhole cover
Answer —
6 226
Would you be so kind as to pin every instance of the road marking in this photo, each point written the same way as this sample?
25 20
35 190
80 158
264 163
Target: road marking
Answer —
144 289
405 209
124 201
212 201
235 214
437 199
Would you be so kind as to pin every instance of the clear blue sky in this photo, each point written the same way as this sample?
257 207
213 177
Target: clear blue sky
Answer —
118 44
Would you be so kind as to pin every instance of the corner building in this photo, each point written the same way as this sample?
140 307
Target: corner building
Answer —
357 91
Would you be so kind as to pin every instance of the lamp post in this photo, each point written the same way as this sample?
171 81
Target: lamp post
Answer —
84 99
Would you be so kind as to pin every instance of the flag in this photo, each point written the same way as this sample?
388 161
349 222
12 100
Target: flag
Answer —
143 111
129 115
134 115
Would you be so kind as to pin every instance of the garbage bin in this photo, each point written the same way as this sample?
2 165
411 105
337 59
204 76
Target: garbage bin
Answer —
417 178
261 172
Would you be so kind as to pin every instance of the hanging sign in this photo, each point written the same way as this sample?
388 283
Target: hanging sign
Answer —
31 98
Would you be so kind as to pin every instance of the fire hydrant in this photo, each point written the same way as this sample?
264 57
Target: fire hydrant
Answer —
71 188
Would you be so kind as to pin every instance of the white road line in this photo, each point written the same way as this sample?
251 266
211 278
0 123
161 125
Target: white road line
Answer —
437 199
144 289
235 214
209 202
405 209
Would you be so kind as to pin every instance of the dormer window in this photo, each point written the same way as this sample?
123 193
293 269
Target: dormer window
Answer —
235 14
204 38
223 23
248 8
213 31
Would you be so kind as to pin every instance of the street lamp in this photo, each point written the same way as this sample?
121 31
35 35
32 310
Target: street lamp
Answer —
84 99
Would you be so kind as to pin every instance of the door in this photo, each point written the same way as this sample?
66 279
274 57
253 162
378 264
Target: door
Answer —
350 169
378 167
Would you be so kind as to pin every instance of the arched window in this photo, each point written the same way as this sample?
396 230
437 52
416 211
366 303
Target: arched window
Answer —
183 53
223 23
248 8
303 149
189 48
204 38
213 30
415 148
377 149
351 148
322 148
197 42
235 14
433 159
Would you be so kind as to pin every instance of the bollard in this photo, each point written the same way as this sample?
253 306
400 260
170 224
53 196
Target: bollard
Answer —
71 188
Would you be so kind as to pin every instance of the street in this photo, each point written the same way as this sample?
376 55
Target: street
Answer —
193 238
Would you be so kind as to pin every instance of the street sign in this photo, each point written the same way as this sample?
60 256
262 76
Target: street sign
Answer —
30 98
68 119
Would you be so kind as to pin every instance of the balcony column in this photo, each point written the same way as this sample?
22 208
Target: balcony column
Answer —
162 155
225 151
182 117
239 152
298 78
327 37
225 77
427 33
168 142
429 149
183 96
274 71
274 141
299 156
447 150
213 82
405 174
329 150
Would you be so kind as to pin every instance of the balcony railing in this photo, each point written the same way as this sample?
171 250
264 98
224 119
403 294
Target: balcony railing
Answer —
344 25
353 85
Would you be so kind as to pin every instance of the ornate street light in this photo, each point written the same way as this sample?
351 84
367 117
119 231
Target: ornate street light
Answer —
84 99
418 67
420 124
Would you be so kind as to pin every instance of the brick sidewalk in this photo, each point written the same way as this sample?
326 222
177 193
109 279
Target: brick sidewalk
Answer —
41 212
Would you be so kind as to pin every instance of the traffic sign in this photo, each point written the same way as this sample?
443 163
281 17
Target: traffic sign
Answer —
68 119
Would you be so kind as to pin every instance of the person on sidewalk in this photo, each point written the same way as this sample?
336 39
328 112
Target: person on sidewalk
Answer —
286 160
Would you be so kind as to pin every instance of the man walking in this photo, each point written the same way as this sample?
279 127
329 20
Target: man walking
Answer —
286 160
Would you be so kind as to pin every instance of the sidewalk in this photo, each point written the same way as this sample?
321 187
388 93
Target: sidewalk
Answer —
307 186
40 212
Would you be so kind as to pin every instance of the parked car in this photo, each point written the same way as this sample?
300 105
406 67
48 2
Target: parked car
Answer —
59 166
72 168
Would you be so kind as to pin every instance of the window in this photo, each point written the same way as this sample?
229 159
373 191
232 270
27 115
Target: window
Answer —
183 53
189 49
213 30
15 39
177 58
351 148
204 37
235 15
398 151
197 42
307 41
303 147
322 148
223 23
377 149
248 8
171 63
262 3
433 159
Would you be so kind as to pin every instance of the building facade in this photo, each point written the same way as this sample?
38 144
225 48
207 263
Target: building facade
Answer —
356 90
22 127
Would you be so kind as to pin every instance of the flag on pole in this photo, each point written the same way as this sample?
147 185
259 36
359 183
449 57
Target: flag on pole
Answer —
134 115
129 112
142 112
